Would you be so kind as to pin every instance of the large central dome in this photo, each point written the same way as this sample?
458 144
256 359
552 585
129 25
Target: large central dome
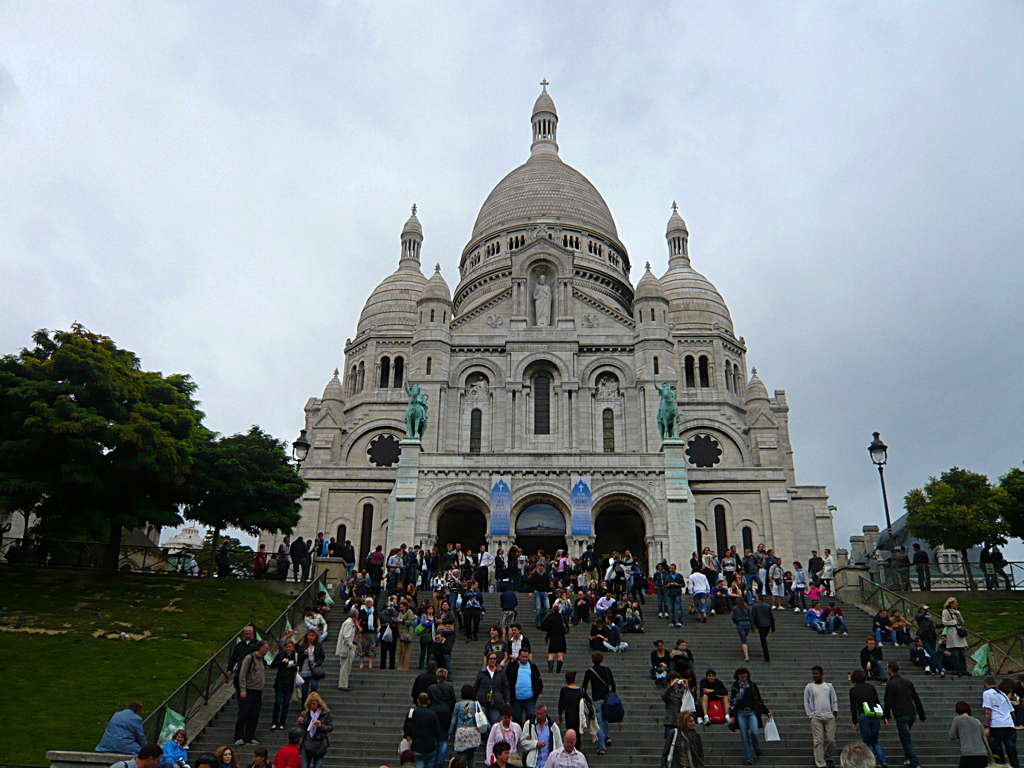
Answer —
545 189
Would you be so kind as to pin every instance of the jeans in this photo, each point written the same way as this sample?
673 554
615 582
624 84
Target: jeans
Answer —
878 635
603 731
748 732
309 685
903 725
752 579
998 738
470 755
662 602
282 700
424 652
675 608
541 604
798 597
934 658
426 759
311 762
870 727
523 710
818 626
836 624
700 602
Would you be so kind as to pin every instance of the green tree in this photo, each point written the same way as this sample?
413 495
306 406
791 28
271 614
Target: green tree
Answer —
91 442
1012 484
960 510
244 481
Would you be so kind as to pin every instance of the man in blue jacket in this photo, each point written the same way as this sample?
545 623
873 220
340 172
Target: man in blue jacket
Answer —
124 734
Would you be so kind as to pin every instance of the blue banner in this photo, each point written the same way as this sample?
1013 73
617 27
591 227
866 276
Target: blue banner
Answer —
581 506
501 505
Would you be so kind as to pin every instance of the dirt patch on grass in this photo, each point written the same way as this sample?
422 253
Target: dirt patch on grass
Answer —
35 630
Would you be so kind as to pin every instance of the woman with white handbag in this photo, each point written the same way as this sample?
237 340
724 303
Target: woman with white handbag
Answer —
468 722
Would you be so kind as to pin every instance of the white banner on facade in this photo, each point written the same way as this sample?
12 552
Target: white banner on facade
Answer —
581 505
501 505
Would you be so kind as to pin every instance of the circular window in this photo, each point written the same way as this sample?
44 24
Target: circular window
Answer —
383 450
703 451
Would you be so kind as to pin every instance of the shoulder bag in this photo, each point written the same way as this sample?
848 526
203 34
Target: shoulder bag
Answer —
480 718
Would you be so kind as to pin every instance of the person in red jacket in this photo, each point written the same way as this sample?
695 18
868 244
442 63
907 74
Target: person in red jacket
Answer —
288 756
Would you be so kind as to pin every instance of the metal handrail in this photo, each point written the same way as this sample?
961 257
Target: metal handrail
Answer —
952 575
1006 654
197 691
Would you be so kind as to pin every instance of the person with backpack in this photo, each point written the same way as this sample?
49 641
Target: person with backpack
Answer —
866 711
714 699
601 682
928 634
822 707
746 711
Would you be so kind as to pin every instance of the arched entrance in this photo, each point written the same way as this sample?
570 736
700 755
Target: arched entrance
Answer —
619 527
464 524
540 526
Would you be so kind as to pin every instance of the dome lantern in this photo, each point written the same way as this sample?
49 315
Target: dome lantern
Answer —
545 123
677 236
412 238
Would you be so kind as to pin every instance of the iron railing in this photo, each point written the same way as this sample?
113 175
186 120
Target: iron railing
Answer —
196 692
951 576
1005 654
139 559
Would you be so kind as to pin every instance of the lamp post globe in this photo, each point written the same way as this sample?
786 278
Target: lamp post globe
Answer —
879 453
300 448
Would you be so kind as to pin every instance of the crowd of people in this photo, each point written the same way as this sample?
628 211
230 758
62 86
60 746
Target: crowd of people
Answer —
501 713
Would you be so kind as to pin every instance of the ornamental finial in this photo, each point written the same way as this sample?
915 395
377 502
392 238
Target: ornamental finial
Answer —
414 209
675 208
544 84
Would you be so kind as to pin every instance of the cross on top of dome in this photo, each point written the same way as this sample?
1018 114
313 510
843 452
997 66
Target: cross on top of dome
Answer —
544 84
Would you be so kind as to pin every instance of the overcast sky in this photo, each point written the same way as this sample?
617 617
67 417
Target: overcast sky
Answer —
220 186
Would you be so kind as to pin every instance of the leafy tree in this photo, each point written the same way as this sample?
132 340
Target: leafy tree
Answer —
244 481
91 442
1012 484
960 510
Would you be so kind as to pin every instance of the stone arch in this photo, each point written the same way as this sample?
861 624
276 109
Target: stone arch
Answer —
729 533
756 534
557 365
551 541
461 372
442 498
542 259
377 425
461 517
621 522
723 429
593 369
630 494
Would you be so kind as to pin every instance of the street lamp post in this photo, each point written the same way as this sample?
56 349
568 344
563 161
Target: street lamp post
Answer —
879 452
300 450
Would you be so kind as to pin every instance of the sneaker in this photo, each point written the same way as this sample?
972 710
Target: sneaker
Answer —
600 751
796 610
239 743
927 670
846 633
707 720
607 742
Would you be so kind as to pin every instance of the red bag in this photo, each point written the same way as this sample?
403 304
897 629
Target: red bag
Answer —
716 711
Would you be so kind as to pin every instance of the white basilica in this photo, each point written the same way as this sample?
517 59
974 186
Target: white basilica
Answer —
540 376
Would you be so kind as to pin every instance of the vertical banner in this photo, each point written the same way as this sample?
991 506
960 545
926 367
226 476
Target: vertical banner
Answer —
501 504
581 505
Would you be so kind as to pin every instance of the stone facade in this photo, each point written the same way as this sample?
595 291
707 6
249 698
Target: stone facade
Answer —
541 367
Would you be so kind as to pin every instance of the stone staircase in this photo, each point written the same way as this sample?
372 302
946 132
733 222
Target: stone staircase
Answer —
368 720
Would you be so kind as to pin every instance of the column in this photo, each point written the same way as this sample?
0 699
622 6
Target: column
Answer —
402 501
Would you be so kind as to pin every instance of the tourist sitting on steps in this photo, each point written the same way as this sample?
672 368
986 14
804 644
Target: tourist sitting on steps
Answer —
149 756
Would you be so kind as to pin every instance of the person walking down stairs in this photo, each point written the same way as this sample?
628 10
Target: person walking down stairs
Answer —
746 711
600 681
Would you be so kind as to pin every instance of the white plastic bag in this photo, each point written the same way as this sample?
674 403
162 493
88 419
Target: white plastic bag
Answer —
771 731
688 704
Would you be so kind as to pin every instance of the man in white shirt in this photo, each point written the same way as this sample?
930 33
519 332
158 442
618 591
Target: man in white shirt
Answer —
484 561
540 738
822 706
999 725
698 586
604 604
568 756
346 649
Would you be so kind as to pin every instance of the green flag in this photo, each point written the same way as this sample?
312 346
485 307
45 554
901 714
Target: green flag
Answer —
980 658
173 722
327 597
287 623
268 659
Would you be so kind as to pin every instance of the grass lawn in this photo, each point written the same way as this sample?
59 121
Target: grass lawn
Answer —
67 660
992 614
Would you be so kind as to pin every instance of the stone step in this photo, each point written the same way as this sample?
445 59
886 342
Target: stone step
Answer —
368 721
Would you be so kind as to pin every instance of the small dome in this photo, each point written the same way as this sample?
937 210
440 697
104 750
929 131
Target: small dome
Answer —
675 222
333 391
392 305
412 226
544 103
693 302
756 390
649 287
436 288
